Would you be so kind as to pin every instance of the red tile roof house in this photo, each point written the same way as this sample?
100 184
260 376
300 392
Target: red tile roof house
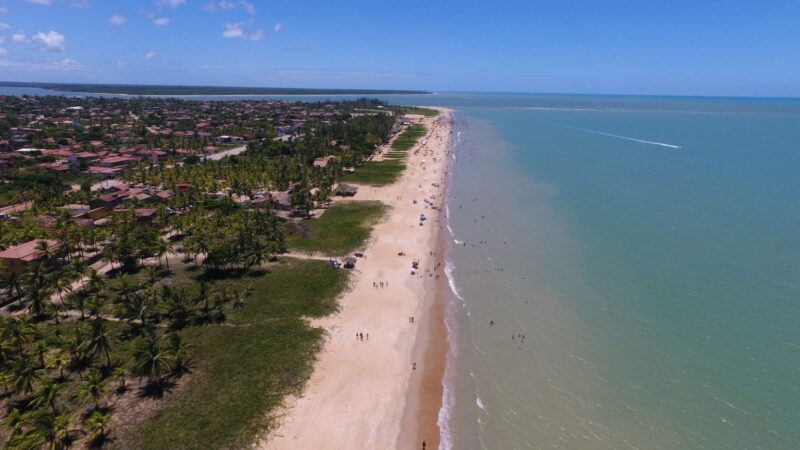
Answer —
143 216
18 257
117 161
322 162
164 195
85 156
105 172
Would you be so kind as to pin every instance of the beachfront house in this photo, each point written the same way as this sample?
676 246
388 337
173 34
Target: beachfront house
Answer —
17 258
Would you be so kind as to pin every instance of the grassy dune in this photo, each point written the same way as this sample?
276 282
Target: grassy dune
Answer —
381 173
344 227
246 367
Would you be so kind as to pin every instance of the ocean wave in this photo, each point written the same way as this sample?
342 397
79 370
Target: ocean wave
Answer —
480 403
448 271
443 419
448 396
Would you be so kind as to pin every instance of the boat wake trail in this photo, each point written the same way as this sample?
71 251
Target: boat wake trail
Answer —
626 138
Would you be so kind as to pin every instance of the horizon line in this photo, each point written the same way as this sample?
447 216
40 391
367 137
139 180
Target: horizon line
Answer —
366 91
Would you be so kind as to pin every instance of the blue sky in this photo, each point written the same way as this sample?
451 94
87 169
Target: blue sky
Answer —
693 47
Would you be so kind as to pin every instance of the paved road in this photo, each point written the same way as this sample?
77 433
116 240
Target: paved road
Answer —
223 154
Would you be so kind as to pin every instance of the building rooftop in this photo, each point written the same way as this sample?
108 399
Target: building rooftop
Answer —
26 252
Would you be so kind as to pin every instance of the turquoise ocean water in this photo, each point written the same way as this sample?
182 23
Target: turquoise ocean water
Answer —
648 249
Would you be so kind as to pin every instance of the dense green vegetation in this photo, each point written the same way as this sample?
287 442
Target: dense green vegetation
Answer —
409 137
376 173
245 368
388 170
343 228
427 112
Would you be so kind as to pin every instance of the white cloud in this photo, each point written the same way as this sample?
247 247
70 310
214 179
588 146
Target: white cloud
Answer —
278 27
171 3
117 20
3 10
40 2
52 41
66 62
223 5
3 52
150 55
3 26
121 63
257 35
161 21
2 40
249 7
234 30
19 38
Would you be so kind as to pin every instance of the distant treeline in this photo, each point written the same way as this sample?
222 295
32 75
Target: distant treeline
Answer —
133 89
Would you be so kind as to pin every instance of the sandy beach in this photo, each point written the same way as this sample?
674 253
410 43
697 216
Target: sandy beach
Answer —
384 391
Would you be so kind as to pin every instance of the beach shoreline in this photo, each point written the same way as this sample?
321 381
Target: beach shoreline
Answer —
384 390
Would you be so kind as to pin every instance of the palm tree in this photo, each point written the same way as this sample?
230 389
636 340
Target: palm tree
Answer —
18 331
5 350
37 300
152 359
36 277
60 362
77 270
93 387
96 424
47 430
181 353
99 340
176 303
163 248
40 349
24 373
238 299
203 297
14 421
78 301
119 374
96 281
152 273
11 282
43 250
93 304
46 395
62 282
76 346
125 288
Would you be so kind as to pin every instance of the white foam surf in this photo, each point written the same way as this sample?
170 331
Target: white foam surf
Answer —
448 271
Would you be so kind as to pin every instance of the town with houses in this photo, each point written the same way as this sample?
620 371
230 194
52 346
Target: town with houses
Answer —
124 223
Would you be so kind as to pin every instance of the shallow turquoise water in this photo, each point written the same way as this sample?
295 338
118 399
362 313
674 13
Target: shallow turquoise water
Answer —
650 253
